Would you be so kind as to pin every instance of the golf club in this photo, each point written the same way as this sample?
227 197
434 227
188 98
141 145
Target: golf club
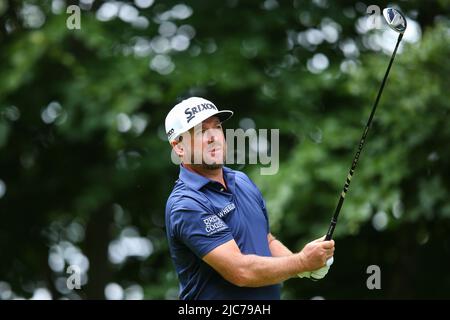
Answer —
397 22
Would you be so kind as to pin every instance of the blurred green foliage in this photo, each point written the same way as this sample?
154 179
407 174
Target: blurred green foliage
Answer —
84 161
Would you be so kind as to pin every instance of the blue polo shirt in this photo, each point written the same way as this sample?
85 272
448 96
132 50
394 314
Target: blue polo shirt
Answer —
200 216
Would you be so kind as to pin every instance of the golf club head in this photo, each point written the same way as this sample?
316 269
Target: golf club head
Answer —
395 19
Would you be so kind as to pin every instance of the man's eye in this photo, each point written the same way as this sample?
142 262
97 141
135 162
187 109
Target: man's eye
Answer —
219 126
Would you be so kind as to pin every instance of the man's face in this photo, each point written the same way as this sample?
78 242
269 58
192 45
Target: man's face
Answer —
205 145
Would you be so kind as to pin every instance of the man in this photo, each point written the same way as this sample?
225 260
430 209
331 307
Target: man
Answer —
216 220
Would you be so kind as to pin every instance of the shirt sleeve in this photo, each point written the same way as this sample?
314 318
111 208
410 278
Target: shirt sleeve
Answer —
200 230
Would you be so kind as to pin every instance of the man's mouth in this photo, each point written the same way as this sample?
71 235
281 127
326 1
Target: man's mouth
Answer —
215 149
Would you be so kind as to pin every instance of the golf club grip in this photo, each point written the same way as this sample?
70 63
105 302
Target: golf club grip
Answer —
333 222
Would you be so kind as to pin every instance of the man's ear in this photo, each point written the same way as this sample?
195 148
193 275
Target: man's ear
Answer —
178 147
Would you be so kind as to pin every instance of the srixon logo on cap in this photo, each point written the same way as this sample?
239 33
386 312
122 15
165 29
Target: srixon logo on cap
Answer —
190 112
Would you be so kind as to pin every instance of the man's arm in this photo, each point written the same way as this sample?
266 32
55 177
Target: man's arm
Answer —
257 271
277 248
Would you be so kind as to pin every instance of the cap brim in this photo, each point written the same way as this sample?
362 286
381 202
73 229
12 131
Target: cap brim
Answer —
224 115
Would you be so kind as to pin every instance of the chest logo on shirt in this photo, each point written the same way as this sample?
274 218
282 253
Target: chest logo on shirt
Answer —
213 224
226 210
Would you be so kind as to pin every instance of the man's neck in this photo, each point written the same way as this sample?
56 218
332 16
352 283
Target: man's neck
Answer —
215 174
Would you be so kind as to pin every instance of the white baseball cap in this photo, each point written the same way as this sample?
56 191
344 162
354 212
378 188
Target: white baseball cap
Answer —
189 113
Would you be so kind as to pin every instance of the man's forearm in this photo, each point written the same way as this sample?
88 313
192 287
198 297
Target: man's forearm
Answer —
249 270
261 271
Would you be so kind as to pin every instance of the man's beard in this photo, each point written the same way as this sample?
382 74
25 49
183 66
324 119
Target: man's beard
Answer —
213 166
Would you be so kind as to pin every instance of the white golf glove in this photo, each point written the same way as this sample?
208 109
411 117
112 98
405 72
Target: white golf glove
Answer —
319 273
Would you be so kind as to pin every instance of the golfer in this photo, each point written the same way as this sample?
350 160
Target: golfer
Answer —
216 219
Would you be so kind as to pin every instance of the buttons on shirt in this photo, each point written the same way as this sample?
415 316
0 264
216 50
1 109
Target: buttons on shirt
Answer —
218 186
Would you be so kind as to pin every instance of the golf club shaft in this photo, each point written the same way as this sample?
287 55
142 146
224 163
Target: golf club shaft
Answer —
361 145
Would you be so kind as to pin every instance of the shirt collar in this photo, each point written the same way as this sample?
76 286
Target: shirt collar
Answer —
196 181
228 175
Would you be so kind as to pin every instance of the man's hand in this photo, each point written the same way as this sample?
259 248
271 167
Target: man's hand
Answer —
316 253
317 257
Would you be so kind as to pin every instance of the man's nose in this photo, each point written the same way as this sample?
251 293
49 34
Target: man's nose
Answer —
211 138
211 135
